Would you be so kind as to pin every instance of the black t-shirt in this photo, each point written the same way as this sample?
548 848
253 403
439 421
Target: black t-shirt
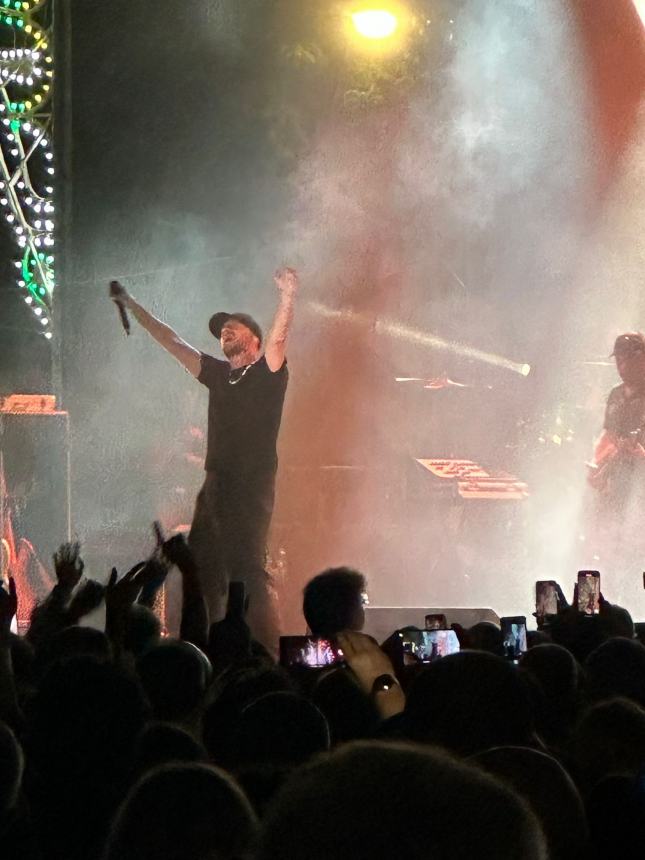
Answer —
623 414
244 413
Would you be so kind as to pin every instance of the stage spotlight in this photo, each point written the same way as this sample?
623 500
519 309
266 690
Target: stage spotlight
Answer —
378 30
400 331
375 23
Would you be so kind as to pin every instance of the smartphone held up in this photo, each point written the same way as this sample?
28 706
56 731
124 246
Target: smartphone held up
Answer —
313 652
546 599
514 640
588 592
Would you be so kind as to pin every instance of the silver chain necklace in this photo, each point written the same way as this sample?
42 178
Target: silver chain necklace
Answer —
239 378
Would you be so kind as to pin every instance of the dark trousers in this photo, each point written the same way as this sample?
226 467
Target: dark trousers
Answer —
228 540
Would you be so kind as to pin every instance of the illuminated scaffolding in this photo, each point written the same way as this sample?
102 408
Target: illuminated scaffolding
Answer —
26 149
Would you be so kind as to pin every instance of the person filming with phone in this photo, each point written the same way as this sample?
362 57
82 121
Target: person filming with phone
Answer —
334 601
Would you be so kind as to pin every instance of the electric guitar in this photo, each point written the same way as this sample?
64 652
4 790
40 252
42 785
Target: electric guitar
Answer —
608 465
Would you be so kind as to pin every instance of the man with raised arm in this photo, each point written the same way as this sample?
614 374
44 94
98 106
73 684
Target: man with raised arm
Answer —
246 394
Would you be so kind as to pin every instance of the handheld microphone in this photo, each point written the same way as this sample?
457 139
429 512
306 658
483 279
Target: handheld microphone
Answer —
115 291
125 321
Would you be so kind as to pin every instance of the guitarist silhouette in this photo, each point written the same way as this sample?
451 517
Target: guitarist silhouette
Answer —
620 447
616 537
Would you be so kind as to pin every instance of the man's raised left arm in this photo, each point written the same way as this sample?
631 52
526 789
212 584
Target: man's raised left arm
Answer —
286 281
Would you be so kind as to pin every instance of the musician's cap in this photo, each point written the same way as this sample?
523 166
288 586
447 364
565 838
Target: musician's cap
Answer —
629 343
219 320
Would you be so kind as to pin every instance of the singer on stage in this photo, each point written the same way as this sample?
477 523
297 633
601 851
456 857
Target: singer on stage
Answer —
246 393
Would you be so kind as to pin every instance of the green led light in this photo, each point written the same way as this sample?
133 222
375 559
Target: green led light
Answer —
35 267
5 2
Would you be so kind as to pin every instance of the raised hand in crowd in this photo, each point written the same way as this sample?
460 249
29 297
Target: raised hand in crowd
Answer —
120 594
152 575
373 670
563 603
87 598
8 606
194 615
68 565
51 615
229 640
151 578
9 709
177 551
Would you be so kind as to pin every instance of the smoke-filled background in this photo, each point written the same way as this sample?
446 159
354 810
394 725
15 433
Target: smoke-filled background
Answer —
466 204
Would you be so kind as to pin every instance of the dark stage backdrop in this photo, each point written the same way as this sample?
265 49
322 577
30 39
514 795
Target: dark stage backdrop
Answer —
477 200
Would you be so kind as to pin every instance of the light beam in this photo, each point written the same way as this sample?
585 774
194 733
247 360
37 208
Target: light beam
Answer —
423 338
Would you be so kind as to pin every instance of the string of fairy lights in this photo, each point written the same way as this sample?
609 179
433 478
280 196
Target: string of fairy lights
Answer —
26 149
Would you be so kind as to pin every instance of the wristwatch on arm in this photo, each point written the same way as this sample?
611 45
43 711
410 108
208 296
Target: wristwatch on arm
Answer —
383 683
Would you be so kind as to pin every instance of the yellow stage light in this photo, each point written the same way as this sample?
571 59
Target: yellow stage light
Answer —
375 23
378 29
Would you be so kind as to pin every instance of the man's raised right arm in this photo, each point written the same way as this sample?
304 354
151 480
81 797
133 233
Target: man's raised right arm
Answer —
163 334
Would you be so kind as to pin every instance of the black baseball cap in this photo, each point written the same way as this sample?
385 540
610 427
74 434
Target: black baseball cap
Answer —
629 343
219 320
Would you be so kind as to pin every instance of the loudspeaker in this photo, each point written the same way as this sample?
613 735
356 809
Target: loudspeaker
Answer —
382 621
34 498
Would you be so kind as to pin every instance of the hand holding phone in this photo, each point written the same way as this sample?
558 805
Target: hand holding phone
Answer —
237 601
157 530
588 592
230 638
365 658
314 652
371 665
437 621
514 638
413 647
546 598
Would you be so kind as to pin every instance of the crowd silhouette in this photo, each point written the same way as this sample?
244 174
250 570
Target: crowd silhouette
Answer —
128 743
